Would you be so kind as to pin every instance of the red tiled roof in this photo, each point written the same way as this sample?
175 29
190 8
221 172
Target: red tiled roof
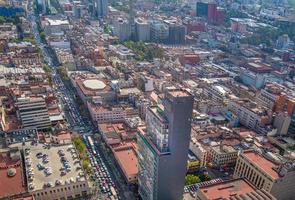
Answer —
227 189
11 185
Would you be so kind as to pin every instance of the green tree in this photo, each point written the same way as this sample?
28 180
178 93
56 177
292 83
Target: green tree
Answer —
47 69
43 36
63 72
80 145
192 179
2 20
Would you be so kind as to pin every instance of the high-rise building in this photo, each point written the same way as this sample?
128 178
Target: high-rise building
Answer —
202 9
45 4
159 31
33 113
210 11
163 147
102 8
176 34
142 30
122 29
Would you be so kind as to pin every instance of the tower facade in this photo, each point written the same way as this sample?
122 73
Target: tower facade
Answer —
163 147
102 8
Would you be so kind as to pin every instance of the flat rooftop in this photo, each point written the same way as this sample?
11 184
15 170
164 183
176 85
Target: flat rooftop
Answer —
127 158
55 164
179 93
10 185
227 189
262 163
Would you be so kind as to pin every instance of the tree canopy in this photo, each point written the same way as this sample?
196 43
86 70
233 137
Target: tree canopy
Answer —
145 51
192 179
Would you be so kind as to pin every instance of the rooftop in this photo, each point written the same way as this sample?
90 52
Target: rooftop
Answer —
179 93
262 163
127 158
35 162
94 84
91 87
228 189
10 185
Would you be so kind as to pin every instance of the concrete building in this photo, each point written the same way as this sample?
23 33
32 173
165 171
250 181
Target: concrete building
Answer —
163 148
126 158
45 4
122 29
93 89
250 115
217 93
159 31
53 180
223 155
33 113
277 179
103 114
102 8
232 189
251 79
177 32
266 98
142 29
282 123
12 181
199 151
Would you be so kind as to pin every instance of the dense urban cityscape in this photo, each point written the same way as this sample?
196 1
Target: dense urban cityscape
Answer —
147 99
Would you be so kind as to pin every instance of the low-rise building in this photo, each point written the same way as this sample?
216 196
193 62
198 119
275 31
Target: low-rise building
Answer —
12 181
104 114
250 115
232 189
266 174
223 155
55 172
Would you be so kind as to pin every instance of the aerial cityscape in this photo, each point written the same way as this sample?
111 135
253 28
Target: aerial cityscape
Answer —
147 99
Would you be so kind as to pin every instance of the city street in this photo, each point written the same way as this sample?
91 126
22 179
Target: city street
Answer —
82 125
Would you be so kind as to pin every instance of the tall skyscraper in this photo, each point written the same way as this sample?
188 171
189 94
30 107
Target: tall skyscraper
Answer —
102 8
163 147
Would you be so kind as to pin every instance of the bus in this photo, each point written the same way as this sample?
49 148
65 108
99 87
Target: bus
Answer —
90 141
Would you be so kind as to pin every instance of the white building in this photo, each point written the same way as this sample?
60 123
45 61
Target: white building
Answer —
216 93
250 115
101 114
122 29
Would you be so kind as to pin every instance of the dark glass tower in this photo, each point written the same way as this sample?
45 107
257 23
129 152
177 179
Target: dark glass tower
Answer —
163 147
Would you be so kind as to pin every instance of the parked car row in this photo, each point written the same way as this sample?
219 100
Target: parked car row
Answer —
101 175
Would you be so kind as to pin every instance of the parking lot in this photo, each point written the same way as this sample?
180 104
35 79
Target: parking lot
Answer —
50 166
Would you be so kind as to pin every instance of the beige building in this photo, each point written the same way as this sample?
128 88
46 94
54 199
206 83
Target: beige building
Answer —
223 155
199 151
267 175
